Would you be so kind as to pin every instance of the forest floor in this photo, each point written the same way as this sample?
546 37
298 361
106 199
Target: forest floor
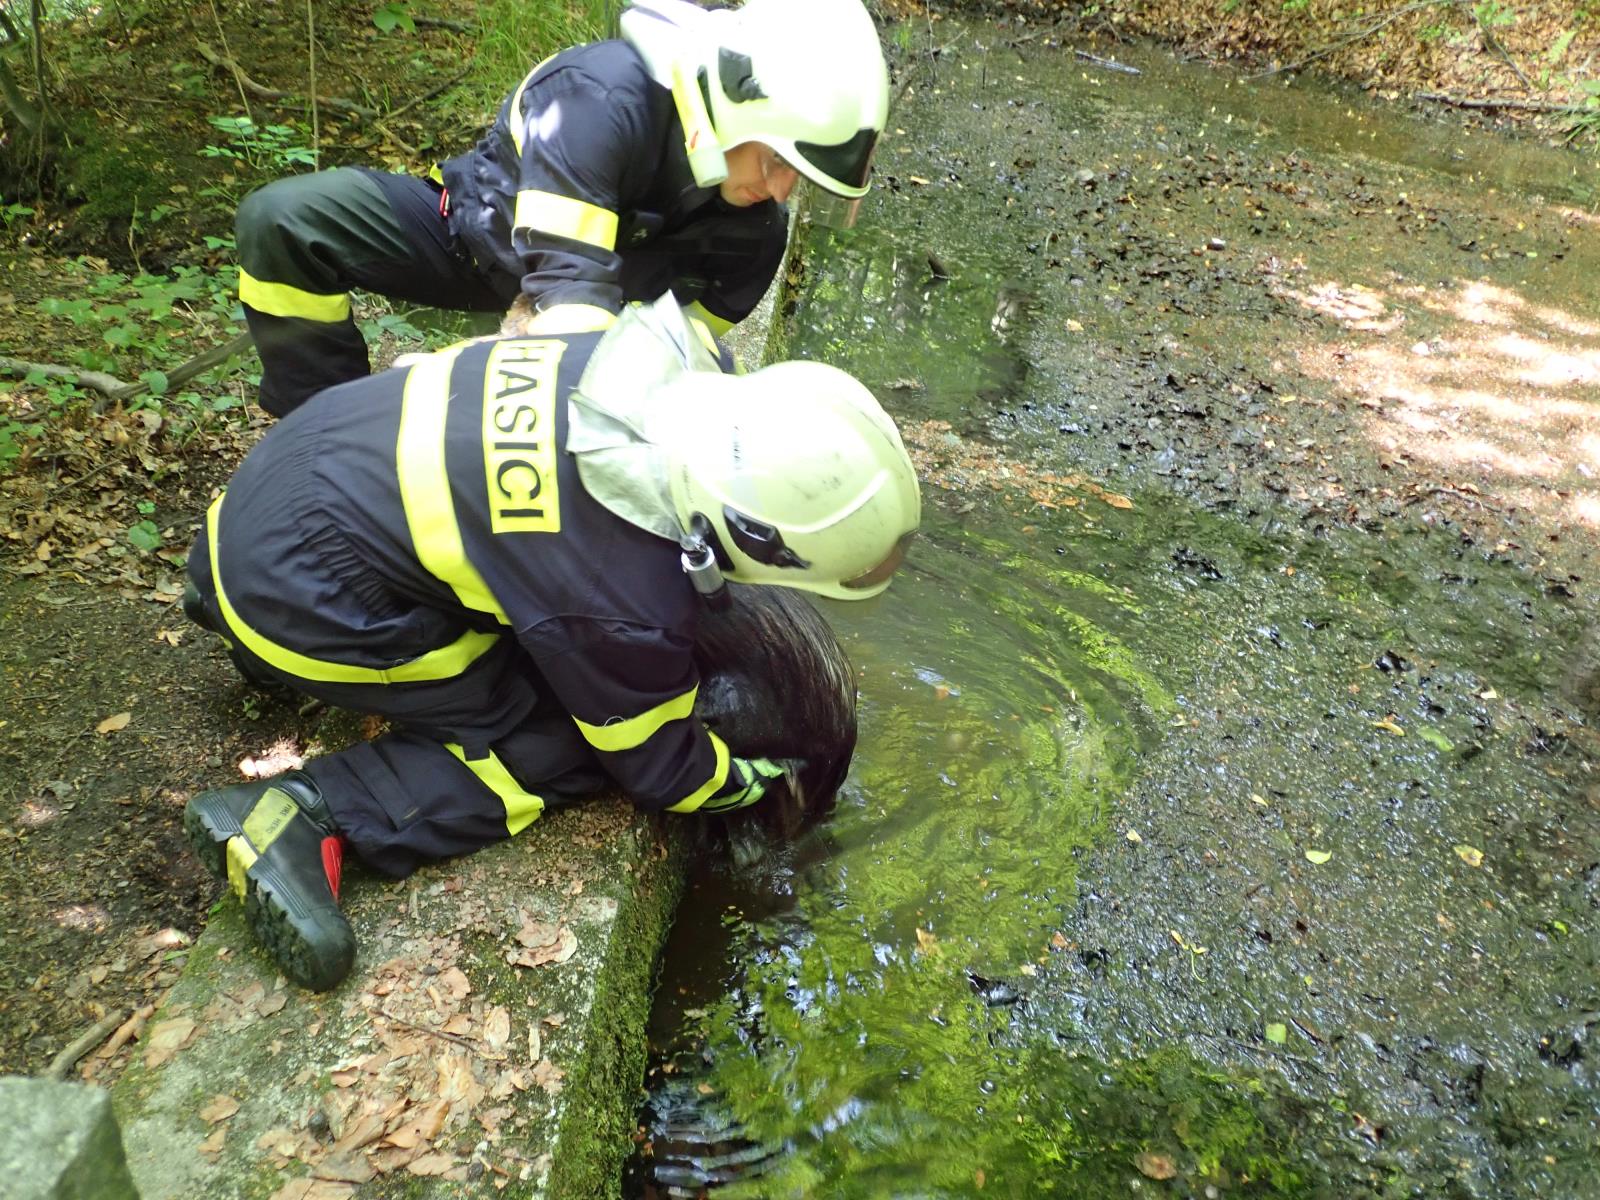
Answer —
113 711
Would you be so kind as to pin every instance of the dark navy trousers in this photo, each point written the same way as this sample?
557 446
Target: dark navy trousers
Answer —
407 797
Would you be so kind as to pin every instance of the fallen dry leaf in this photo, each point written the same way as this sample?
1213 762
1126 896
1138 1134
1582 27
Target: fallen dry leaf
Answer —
455 980
114 723
563 946
218 1108
313 1189
926 941
166 1039
496 1031
430 1164
347 1167
212 1146
548 1076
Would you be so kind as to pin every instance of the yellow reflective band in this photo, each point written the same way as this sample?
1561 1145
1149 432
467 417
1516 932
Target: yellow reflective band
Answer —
714 324
269 818
425 484
710 787
548 212
240 859
522 807
281 300
515 118
618 735
444 663
571 318
519 436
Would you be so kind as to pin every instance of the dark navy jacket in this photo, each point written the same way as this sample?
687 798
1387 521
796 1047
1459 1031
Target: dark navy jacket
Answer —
585 170
393 515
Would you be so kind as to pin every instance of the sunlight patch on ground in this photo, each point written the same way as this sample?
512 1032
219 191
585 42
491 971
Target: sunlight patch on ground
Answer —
1499 391
83 916
35 813
282 755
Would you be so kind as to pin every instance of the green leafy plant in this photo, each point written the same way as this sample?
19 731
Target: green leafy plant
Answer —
1491 14
144 535
1296 5
392 16
269 149
1585 123
14 436
12 213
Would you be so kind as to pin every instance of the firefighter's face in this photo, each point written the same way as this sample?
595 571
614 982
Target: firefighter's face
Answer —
756 173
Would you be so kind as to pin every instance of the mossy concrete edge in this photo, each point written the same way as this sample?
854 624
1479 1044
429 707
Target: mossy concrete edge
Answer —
608 873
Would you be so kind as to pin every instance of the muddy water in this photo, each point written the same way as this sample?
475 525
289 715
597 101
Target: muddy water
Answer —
1198 843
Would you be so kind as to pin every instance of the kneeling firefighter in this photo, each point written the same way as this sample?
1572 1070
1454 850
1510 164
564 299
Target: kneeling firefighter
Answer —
616 170
503 549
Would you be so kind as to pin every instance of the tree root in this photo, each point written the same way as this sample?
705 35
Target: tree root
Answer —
260 89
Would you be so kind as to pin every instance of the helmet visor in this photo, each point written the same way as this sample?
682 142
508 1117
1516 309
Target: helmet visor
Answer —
879 575
845 164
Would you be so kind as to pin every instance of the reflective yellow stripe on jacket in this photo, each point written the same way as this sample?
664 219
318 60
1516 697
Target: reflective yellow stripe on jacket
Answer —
444 663
425 484
710 787
563 216
636 731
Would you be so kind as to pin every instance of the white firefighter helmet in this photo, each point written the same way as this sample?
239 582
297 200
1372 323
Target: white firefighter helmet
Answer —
805 78
793 475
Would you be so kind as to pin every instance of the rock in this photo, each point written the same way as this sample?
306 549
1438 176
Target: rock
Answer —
61 1142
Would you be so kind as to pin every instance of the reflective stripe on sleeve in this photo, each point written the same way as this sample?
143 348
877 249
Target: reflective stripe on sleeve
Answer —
281 300
710 787
636 731
547 212
444 663
425 484
522 806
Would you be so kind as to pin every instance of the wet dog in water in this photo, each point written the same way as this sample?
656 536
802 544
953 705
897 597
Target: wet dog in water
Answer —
775 683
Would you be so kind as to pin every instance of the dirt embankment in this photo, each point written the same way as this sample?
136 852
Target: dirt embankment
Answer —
1528 63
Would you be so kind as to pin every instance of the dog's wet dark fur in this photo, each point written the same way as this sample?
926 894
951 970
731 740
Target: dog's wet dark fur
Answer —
775 683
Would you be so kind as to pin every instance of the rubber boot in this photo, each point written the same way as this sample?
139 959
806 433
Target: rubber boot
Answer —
276 845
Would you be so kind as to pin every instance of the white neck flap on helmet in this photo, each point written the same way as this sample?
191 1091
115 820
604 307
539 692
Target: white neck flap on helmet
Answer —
615 417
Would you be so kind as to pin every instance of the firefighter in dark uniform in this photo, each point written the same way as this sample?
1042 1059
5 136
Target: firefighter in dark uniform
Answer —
499 549
615 171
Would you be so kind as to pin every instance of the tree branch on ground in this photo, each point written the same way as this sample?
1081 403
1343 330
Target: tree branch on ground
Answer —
266 93
116 390
1492 102
442 23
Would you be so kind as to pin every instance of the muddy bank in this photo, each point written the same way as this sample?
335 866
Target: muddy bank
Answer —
1524 67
